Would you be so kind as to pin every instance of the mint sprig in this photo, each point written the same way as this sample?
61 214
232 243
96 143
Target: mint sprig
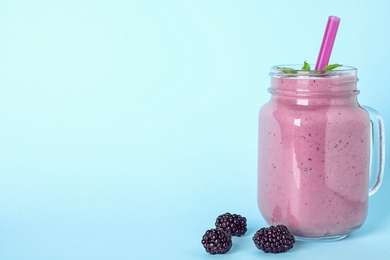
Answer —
306 66
332 66
288 70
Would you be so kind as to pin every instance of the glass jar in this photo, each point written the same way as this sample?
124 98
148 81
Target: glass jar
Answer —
314 153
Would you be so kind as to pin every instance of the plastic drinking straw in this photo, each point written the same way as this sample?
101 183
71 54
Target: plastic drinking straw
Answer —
327 42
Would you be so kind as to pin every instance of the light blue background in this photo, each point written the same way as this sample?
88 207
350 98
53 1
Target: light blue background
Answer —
127 127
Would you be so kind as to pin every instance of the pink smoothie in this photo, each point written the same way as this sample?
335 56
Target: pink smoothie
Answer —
314 153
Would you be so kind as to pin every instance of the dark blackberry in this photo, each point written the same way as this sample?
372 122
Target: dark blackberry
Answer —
216 241
275 239
233 224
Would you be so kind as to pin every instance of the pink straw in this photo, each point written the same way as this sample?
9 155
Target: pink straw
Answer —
327 42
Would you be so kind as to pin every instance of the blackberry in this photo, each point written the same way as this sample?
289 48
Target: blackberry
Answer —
233 224
275 239
216 241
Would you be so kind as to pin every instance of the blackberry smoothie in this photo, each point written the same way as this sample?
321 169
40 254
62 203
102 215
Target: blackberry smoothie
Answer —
314 154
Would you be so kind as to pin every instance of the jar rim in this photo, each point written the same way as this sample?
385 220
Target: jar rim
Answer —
295 71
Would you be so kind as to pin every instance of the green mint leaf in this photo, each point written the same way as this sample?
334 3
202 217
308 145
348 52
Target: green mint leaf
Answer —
288 70
332 66
306 66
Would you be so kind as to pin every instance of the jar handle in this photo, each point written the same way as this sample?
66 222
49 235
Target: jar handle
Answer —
377 148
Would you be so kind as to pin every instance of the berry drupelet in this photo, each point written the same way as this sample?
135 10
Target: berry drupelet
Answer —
233 224
275 239
216 241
